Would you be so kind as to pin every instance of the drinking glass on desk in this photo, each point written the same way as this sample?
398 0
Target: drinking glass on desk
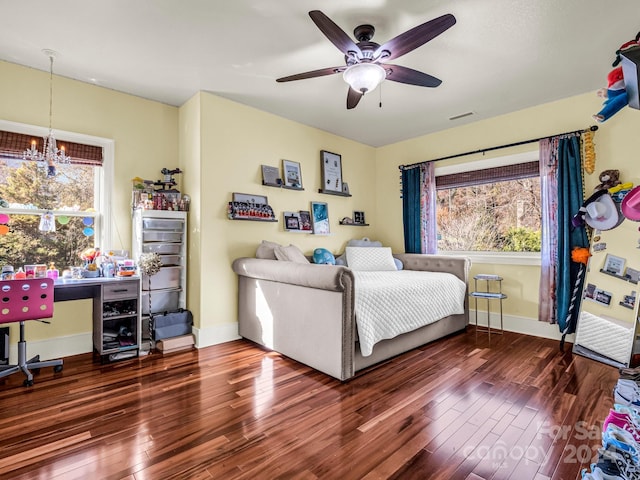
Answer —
76 273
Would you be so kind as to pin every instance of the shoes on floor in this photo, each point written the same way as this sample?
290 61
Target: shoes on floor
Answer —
617 463
633 414
622 440
629 371
628 394
624 422
597 474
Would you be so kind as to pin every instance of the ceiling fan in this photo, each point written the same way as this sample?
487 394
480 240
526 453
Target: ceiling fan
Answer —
365 68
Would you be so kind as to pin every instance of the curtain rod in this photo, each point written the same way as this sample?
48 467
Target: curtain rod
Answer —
593 128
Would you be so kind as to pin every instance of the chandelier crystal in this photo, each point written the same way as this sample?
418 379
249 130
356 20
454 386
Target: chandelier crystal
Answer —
50 154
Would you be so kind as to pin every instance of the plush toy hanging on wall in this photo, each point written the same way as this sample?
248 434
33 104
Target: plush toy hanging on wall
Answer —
616 95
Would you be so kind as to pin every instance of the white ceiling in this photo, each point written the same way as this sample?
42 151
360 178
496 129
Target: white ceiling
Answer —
501 56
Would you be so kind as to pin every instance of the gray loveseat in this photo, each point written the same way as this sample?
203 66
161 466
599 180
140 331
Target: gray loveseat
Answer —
306 312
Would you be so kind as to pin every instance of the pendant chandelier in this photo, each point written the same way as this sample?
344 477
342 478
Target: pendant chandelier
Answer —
50 154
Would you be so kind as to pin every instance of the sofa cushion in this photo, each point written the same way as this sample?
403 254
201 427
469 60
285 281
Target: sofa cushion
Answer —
266 250
370 259
290 254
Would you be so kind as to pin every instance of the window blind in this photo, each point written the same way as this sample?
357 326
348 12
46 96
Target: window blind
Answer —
488 175
13 145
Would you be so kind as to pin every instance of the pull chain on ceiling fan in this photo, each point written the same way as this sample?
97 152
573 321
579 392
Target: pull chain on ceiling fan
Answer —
364 69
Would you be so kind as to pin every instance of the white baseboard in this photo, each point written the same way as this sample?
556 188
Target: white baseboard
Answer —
217 334
83 343
57 347
524 325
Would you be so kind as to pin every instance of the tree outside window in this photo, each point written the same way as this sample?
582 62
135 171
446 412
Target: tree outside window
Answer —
24 185
503 216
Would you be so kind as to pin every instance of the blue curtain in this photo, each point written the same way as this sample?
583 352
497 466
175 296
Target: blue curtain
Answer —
411 217
419 209
562 196
570 198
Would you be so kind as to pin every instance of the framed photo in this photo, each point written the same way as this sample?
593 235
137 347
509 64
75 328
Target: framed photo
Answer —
292 174
629 301
614 265
602 297
632 275
331 167
320 218
358 218
271 176
589 291
250 198
291 221
305 220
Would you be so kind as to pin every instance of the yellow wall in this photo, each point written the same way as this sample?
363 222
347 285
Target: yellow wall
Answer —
145 135
221 144
190 152
235 141
615 148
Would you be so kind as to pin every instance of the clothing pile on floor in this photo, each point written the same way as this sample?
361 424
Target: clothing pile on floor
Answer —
619 457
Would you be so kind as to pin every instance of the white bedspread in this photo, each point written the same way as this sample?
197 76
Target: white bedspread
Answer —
390 303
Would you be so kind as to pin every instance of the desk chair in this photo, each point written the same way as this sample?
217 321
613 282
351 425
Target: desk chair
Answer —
22 300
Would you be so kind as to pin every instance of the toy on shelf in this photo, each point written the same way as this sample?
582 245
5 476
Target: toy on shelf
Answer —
159 194
608 179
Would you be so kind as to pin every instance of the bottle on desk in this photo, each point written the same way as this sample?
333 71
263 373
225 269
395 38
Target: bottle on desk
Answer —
52 271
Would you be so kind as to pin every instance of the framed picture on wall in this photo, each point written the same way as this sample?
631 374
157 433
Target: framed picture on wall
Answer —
291 221
305 220
331 167
292 174
320 218
271 176
614 265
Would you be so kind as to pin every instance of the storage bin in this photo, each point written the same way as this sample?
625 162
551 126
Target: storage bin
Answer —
162 248
168 260
161 300
162 224
167 277
161 236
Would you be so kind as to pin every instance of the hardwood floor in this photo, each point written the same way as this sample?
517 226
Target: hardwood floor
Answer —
455 409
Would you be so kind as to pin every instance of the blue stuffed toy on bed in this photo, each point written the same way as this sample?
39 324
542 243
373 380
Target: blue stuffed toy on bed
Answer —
323 256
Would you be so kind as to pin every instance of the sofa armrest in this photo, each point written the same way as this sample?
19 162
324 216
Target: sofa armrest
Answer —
459 266
324 277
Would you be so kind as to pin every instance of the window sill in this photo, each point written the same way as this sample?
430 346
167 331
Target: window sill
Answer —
500 258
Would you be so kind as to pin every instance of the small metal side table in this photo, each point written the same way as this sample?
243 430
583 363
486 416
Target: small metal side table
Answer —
488 295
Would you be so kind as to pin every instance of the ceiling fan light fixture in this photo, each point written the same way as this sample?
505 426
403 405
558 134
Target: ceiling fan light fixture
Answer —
364 77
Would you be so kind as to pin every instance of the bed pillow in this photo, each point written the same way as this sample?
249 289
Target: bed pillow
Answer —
365 242
266 250
290 254
370 259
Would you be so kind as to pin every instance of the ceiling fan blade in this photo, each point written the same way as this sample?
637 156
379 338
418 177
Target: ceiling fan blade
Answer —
312 74
353 98
414 38
334 33
398 73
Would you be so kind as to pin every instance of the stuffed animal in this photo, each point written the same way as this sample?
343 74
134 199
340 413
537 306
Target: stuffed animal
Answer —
615 94
608 179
